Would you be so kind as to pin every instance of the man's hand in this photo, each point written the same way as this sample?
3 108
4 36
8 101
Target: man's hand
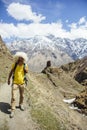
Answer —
26 68
10 74
8 81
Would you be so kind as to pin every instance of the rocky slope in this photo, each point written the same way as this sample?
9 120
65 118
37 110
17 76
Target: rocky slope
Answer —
78 71
45 109
5 61
47 91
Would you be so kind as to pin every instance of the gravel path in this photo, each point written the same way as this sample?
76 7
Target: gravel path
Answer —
22 119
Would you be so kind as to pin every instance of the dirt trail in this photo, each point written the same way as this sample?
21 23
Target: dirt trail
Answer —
22 119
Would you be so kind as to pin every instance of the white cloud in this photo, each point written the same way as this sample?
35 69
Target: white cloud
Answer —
23 30
7 2
82 20
8 30
28 30
24 12
79 29
73 25
67 21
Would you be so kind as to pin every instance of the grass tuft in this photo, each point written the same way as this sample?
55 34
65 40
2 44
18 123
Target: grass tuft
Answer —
46 119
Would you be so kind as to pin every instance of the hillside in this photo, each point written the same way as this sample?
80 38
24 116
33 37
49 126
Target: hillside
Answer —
5 61
45 109
78 71
47 91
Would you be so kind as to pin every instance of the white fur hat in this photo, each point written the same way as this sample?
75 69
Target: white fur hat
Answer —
21 54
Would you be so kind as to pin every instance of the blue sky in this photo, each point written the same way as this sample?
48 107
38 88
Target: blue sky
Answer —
27 18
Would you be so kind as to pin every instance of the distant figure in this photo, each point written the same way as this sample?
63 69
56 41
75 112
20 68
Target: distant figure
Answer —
47 65
18 71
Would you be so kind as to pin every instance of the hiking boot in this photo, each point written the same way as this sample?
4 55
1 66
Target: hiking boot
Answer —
12 114
21 107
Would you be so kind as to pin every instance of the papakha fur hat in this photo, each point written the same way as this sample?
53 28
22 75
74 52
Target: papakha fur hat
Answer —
21 54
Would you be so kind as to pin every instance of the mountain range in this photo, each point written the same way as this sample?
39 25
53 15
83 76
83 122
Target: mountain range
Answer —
40 49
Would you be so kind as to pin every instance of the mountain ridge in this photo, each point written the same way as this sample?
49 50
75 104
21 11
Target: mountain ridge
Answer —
40 49
77 46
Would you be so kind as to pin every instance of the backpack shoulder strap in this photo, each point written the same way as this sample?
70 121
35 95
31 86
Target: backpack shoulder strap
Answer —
24 65
24 69
15 66
25 76
14 69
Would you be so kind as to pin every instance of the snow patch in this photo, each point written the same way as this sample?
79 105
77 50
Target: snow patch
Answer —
69 101
74 108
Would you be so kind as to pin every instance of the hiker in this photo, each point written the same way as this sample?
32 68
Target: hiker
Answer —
47 66
18 71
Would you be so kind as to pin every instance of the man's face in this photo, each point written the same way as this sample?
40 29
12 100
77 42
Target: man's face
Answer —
21 60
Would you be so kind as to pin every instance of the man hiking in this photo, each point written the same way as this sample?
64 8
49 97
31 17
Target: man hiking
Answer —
18 71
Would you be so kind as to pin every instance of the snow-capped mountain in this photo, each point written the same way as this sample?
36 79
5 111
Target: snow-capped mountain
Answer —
43 48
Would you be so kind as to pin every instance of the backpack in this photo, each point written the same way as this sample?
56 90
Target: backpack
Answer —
25 78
